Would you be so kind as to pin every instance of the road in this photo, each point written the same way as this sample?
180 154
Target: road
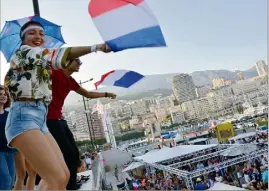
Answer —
239 131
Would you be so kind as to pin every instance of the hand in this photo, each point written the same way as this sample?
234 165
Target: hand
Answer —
103 47
111 95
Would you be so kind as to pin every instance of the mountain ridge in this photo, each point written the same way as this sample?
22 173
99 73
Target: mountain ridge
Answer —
156 82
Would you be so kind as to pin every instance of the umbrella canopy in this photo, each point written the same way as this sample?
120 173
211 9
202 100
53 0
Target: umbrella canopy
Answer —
10 39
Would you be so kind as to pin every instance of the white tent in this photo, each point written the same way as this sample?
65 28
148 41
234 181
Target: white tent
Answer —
132 166
169 153
243 135
240 149
221 186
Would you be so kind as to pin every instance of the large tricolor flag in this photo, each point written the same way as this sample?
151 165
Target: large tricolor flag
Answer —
120 78
125 24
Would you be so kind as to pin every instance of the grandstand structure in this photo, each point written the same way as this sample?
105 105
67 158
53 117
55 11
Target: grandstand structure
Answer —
171 160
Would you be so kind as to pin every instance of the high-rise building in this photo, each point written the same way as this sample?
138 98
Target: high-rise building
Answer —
183 88
261 68
240 75
202 91
218 82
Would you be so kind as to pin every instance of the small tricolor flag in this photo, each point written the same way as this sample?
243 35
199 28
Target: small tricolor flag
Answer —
125 24
120 78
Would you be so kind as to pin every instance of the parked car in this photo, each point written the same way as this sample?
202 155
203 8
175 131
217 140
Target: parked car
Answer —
262 130
239 126
250 124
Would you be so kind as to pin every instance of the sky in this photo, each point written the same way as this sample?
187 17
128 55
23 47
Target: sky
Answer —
200 35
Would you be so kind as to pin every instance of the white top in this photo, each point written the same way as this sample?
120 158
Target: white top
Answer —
88 161
219 179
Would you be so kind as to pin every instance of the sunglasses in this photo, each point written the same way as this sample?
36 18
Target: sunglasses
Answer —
78 61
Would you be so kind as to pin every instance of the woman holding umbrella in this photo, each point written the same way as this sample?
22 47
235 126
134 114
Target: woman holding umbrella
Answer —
29 84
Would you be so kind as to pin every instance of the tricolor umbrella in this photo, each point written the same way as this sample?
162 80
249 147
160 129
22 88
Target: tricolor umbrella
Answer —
10 39
125 24
120 78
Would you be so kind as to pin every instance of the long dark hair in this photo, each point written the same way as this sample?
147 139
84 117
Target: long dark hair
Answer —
7 104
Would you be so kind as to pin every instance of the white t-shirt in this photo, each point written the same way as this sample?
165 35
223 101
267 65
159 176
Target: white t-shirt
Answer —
88 161
219 179
247 179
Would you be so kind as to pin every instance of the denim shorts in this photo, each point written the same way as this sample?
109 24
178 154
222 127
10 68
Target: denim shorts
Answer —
24 116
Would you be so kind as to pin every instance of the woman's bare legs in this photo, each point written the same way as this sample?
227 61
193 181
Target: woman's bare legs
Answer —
42 185
30 184
20 171
36 149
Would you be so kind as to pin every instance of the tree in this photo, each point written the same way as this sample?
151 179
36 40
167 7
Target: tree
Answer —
129 136
262 121
86 145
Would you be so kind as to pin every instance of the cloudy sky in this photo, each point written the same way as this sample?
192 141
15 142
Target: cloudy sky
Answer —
200 34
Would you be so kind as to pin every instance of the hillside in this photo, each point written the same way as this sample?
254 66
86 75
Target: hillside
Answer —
162 83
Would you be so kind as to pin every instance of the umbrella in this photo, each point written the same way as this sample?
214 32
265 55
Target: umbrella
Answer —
10 39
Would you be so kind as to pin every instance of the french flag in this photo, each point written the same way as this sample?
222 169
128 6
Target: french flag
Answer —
135 185
125 24
120 78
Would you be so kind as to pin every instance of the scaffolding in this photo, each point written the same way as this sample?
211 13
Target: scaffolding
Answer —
196 153
166 168
188 176
203 157
228 163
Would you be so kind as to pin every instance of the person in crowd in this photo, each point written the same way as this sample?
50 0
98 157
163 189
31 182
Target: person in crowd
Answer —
265 177
200 185
7 163
29 84
218 178
88 162
62 85
263 160
116 172
200 165
81 167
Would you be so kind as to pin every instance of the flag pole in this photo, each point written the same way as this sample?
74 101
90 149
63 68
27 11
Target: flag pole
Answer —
36 7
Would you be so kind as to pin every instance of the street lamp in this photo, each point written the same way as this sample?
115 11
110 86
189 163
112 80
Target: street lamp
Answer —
36 7
87 117
90 115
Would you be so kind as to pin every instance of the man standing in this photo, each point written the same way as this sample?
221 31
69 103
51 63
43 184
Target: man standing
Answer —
62 84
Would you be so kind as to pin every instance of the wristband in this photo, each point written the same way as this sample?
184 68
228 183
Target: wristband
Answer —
94 48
